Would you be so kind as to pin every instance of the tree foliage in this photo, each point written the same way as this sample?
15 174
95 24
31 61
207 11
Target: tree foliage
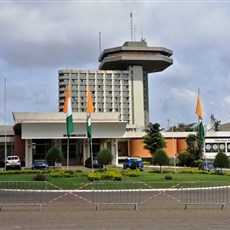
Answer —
160 158
53 155
221 161
185 158
194 146
193 153
104 157
153 139
183 128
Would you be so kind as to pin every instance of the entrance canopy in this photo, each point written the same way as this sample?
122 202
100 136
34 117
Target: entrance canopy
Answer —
37 125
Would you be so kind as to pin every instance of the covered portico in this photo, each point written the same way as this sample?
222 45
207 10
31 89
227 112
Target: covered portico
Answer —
36 132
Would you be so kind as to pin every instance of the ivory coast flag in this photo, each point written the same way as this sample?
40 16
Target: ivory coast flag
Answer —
201 134
68 110
90 109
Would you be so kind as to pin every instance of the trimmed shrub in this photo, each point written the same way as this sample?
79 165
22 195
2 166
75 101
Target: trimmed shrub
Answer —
40 177
168 177
189 171
160 158
104 157
62 173
78 171
154 171
147 163
131 173
94 176
114 175
106 174
172 171
53 155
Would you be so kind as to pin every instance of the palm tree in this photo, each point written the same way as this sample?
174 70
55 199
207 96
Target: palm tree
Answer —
153 139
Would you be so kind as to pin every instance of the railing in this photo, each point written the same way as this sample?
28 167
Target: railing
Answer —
116 194
200 193
17 193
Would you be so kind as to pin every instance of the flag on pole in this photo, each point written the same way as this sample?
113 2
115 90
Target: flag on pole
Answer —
90 109
198 108
68 110
201 134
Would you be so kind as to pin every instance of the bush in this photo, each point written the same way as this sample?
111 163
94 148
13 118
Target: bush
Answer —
221 161
168 177
104 157
114 175
111 174
185 158
107 174
40 177
78 171
147 163
160 158
53 155
154 171
94 176
62 173
189 171
130 173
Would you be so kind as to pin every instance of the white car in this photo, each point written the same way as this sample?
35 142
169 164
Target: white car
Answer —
13 162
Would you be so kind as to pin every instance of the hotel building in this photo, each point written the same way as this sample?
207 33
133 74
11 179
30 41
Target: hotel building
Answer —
119 90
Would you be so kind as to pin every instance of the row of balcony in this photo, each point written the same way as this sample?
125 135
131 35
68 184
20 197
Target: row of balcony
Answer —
93 82
93 75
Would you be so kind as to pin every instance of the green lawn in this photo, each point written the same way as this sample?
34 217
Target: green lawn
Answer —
145 180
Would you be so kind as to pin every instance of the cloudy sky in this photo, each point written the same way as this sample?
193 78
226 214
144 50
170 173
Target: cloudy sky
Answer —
37 38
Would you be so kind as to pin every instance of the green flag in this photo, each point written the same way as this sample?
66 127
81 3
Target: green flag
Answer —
89 128
201 134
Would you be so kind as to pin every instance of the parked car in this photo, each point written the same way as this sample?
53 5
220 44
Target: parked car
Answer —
96 164
206 165
13 162
40 165
133 163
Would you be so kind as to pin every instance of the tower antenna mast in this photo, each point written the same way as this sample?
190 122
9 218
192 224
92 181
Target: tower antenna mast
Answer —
100 43
131 24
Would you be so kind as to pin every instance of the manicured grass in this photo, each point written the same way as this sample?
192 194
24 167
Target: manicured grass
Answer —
144 180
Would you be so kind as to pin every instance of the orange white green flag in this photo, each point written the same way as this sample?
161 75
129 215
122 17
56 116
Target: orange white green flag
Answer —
68 110
201 134
90 109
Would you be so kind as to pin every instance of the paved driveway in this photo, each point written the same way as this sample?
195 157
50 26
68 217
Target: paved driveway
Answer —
158 211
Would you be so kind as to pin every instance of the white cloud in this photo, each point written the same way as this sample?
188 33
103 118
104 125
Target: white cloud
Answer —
38 39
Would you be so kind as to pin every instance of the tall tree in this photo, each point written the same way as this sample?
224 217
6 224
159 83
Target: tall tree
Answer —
153 139
160 158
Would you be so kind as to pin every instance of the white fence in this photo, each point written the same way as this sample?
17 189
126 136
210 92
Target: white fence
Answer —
17 193
199 193
117 194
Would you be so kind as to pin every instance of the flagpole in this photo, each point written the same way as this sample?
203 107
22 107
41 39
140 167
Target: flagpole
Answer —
67 155
198 118
91 152
5 119
90 109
